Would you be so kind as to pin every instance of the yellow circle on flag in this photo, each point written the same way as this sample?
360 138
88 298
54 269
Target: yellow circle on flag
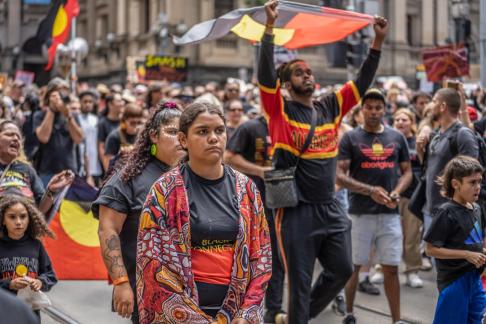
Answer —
79 225
21 270
60 23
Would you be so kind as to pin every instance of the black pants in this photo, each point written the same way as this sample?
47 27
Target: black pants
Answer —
273 296
307 232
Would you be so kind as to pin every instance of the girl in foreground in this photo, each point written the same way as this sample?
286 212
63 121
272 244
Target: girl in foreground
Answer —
203 252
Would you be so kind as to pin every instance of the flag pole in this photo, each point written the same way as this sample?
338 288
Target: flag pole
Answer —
73 56
482 41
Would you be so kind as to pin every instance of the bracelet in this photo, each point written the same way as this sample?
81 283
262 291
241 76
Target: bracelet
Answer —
371 190
268 25
120 280
50 193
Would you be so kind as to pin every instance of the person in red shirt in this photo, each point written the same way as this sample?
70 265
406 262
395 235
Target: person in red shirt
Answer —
317 227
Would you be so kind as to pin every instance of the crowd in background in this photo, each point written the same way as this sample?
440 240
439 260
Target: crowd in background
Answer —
63 133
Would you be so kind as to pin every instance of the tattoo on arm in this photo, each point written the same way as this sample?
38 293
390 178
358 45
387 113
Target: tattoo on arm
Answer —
113 257
348 182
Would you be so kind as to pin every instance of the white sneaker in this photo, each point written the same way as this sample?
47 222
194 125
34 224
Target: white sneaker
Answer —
377 278
414 281
426 265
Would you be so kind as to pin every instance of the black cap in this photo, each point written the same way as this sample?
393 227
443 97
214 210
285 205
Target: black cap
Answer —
373 93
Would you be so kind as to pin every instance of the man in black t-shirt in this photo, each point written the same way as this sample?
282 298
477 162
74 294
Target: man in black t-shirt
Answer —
249 151
109 123
480 127
370 158
58 132
317 228
446 108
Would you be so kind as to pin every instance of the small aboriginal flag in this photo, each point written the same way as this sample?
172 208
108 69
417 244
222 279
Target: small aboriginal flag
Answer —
76 252
54 29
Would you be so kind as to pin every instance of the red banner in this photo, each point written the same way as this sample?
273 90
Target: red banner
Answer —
445 62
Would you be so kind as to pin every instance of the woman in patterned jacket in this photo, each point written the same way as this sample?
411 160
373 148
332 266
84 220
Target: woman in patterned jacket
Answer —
203 253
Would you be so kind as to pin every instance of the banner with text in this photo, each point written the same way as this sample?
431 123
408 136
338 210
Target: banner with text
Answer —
170 68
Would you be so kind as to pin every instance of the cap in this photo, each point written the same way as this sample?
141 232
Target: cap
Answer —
373 93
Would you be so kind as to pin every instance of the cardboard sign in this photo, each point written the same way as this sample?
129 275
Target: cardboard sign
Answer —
3 80
25 77
445 62
170 68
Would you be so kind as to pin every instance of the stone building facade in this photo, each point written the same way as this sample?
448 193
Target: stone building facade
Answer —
116 29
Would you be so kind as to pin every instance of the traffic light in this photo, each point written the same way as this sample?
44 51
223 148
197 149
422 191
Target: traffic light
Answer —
356 48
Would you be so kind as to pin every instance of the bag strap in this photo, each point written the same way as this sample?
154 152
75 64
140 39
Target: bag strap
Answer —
4 173
310 135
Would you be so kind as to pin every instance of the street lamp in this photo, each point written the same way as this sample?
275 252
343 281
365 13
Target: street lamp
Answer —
460 12
67 56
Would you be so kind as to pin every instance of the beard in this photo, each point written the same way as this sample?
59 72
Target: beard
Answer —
303 91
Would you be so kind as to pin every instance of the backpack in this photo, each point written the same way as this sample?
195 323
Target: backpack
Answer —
452 137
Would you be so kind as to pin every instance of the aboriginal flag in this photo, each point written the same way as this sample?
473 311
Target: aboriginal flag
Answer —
298 25
76 252
445 62
54 29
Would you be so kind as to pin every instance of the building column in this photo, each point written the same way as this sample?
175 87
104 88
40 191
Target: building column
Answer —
427 37
14 22
399 22
442 23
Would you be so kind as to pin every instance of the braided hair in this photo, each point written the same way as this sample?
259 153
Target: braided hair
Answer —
139 156
284 71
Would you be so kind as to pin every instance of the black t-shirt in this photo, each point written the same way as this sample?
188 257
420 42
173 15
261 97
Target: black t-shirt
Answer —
214 221
480 127
128 198
59 153
459 228
416 167
439 153
22 180
105 127
213 206
251 140
115 142
375 160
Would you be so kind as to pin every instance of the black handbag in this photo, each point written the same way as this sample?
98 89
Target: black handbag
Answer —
418 199
280 185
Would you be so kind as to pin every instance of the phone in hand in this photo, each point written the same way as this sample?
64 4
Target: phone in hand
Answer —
453 84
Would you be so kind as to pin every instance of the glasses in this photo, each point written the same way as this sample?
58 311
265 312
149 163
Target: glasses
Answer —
236 109
233 90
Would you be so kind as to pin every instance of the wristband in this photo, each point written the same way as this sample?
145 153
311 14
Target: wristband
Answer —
268 25
371 190
50 193
120 280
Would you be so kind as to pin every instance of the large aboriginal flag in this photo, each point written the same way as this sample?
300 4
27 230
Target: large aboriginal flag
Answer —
445 62
76 253
298 25
54 29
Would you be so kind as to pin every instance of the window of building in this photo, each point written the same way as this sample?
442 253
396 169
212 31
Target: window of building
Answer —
101 26
222 7
145 16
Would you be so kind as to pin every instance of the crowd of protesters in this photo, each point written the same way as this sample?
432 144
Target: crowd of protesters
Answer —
185 229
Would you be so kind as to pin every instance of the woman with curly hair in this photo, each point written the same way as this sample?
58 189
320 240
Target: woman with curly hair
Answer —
121 199
23 260
203 253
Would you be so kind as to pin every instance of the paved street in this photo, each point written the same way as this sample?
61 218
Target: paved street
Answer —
89 302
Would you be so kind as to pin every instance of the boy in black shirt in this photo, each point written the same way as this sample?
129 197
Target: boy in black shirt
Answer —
456 240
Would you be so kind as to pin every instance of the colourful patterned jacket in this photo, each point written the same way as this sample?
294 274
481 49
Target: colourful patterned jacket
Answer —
166 292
